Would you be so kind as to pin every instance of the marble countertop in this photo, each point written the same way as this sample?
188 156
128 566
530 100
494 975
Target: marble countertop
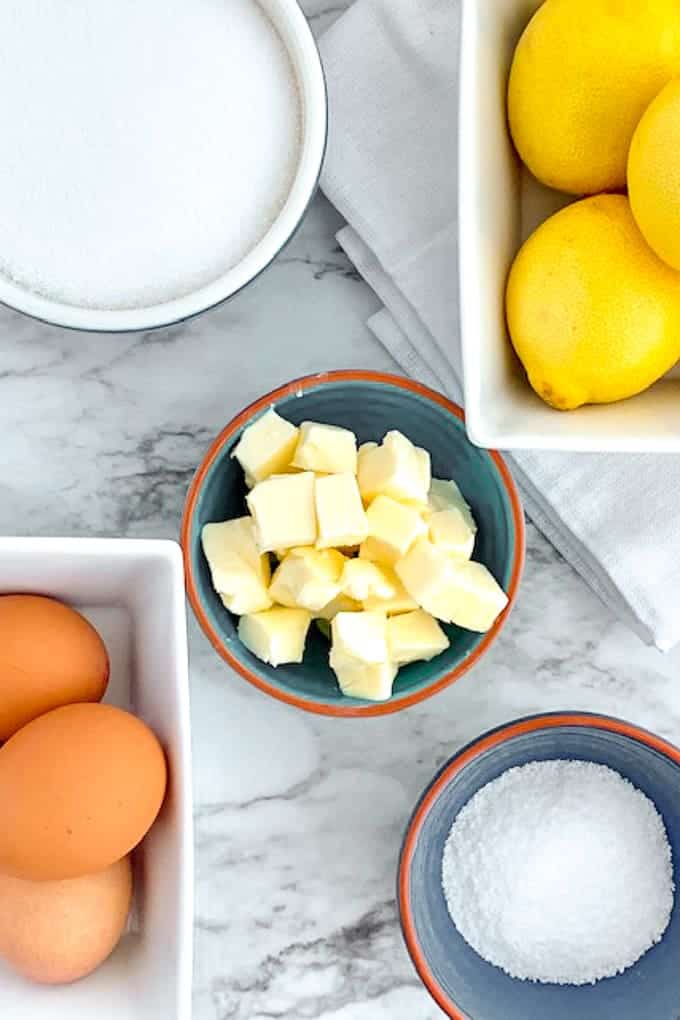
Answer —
298 818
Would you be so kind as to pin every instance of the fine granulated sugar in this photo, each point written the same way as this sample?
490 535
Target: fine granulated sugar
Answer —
560 872
147 145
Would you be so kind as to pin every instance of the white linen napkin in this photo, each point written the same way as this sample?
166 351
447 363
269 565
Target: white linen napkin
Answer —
390 171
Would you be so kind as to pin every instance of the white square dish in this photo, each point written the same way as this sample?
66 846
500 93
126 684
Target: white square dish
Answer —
499 204
133 592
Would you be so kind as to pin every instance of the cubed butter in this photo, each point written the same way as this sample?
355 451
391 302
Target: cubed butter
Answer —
340 604
395 468
283 510
368 681
328 449
399 602
239 572
244 593
450 531
416 636
359 655
362 580
307 578
266 447
277 635
456 591
364 449
364 452
360 637
476 599
234 537
425 464
392 530
444 494
424 573
339 511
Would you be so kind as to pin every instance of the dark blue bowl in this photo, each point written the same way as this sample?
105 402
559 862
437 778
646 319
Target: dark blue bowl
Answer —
370 404
464 985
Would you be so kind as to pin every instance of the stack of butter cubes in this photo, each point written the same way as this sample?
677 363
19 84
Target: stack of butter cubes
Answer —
365 540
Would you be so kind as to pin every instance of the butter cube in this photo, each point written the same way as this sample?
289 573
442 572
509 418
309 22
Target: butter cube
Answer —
307 578
425 464
359 655
364 453
399 602
450 531
459 592
226 539
392 530
393 469
475 599
444 494
277 635
424 572
339 511
362 579
266 447
368 681
239 572
361 637
283 509
364 449
340 604
414 636
326 448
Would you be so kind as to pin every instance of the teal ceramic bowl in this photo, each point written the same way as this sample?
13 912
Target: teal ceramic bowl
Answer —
370 404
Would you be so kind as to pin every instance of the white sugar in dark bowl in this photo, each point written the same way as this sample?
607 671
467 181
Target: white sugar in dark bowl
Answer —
158 154
467 987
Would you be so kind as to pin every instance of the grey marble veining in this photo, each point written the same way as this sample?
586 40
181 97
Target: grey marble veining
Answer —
298 818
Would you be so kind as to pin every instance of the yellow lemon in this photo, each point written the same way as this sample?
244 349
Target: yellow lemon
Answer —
654 174
582 75
592 312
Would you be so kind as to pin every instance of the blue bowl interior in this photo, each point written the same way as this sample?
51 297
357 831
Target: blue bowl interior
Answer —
370 409
650 989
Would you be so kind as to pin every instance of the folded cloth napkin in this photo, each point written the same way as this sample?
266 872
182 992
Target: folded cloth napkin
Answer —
390 170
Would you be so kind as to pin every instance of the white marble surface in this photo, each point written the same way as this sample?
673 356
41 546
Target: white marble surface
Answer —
298 818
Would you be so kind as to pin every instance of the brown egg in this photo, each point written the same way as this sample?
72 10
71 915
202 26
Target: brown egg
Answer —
79 788
49 656
56 932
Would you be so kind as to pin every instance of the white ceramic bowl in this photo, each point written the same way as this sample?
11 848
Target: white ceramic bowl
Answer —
499 204
297 37
133 592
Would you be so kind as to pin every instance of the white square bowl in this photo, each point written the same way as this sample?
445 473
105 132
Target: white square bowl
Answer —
499 204
133 592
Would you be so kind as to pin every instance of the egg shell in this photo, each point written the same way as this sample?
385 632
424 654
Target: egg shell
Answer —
49 656
79 788
57 932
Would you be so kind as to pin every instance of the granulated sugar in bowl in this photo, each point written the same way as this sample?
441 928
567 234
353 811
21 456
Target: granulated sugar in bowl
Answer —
559 872
156 153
